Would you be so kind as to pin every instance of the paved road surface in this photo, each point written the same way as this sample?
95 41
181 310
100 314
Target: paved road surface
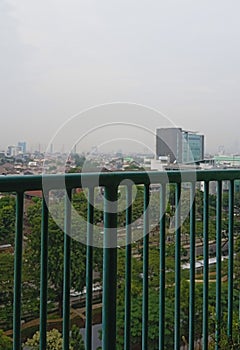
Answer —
95 333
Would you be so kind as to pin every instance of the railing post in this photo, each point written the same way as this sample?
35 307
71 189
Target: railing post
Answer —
109 268
67 269
18 273
192 268
218 263
231 258
206 264
128 268
177 266
145 270
89 269
44 274
162 248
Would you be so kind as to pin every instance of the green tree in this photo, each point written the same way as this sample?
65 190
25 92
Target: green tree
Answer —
55 254
6 289
5 342
30 290
55 341
7 219
79 160
56 247
76 340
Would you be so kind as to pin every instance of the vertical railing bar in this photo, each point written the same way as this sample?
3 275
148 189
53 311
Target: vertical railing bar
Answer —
67 269
162 249
192 267
18 272
206 264
109 268
177 266
89 268
44 273
231 258
128 270
145 269
218 261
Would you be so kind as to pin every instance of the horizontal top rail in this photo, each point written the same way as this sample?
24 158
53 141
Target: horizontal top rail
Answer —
21 183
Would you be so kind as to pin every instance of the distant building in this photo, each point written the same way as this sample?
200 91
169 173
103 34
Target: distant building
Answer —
193 147
23 146
227 160
13 151
179 145
2 154
161 163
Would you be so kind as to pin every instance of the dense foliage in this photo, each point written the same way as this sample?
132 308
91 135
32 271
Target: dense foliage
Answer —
7 220
55 341
5 342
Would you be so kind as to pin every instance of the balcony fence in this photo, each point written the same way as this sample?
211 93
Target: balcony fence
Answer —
110 182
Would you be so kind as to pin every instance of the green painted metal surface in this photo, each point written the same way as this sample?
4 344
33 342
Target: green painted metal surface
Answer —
177 315
89 269
192 267
128 269
231 258
206 264
218 263
44 276
109 269
18 273
145 315
67 270
162 266
110 183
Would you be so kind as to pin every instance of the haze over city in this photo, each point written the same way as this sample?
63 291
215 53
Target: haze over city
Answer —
178 57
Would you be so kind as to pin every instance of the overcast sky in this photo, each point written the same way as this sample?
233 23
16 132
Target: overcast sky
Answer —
181 57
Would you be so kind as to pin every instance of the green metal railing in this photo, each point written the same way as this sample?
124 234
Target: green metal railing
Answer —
110 182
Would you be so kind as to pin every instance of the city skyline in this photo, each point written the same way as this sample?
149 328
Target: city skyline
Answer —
181 58
62 148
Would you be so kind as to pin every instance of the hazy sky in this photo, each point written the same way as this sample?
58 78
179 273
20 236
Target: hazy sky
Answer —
58 57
